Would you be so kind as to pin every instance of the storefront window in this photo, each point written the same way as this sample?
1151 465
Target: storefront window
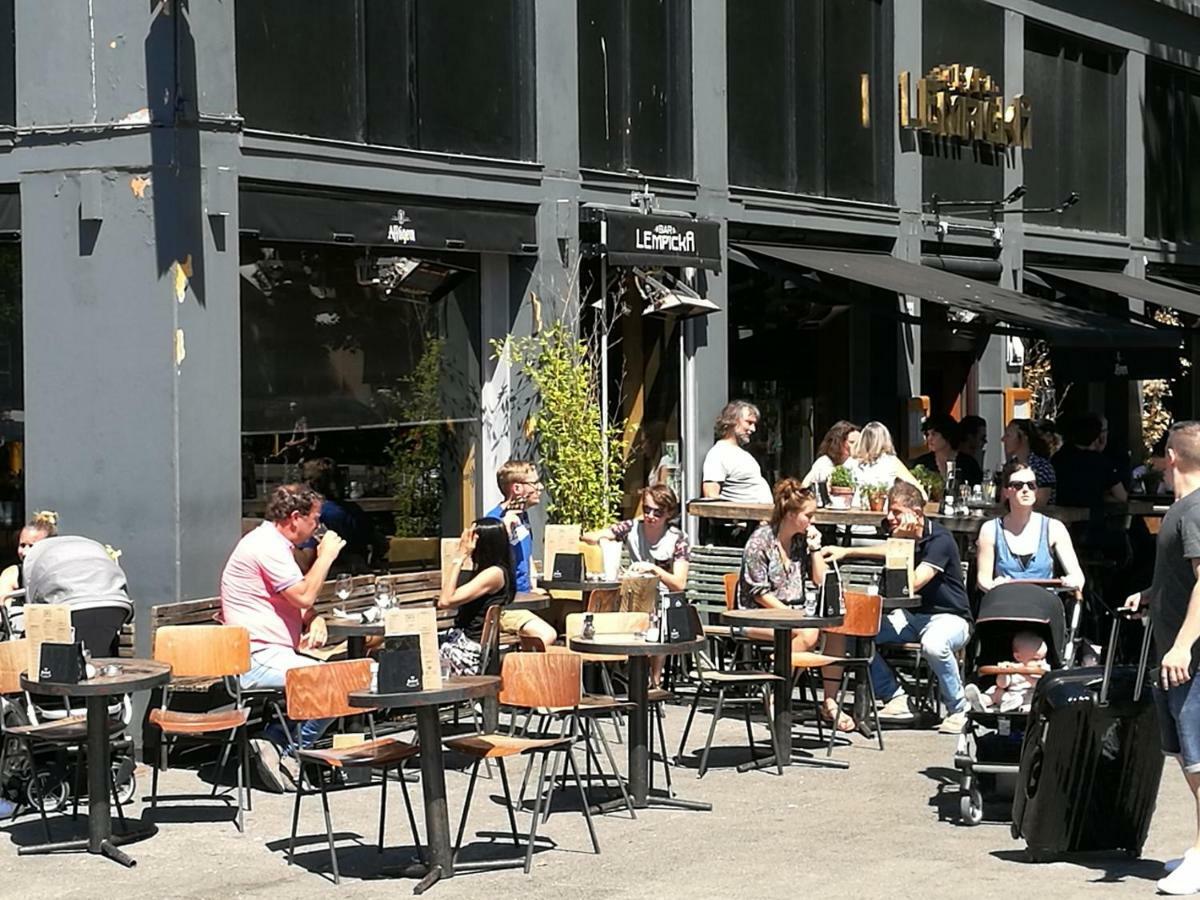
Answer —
810 98
970 33
380 74
386 386
12 395
1076 90
8 64
1172 141
635 93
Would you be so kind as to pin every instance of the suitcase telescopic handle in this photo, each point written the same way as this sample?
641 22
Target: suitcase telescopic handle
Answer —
1111 655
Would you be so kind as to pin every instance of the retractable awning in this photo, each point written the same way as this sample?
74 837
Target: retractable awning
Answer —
1064 325
1159 291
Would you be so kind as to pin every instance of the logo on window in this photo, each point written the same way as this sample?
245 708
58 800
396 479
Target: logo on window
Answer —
400 231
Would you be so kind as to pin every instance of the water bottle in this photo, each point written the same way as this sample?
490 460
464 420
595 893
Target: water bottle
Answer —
653 631
949 491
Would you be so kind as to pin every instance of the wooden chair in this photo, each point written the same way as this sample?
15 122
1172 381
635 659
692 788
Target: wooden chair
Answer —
529 681
713 681
320 692
205 652
862 616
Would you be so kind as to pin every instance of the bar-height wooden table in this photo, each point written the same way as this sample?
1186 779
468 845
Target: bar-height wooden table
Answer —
433 773
782 622
639 653
135 675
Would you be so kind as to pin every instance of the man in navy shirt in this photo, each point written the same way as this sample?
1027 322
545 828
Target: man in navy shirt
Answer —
942 623
521 487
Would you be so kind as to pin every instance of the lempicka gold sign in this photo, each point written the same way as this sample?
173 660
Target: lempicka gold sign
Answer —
967 103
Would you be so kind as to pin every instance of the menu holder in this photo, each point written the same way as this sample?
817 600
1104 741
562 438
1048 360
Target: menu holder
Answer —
61 663
898 556
567 567
560 539
45 623
831 596
679 625
421 621
400 664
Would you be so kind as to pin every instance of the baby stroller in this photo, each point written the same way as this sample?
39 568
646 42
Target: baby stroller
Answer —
989 748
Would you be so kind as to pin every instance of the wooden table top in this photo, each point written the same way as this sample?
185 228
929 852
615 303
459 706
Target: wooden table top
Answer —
765 617
135 675
453 690
628 645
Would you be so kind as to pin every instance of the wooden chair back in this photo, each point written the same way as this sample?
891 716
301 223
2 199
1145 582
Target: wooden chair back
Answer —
531 643
731 581
863 614
489 640
538 680
319 691
14 659
209 651
603 601
608 623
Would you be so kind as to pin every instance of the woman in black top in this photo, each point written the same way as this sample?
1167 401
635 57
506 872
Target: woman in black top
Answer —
486 544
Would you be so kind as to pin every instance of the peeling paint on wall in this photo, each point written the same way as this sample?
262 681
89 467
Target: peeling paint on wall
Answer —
180 350
137 117
182 272
138 184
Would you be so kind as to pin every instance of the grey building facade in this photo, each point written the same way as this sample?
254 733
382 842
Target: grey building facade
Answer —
181 172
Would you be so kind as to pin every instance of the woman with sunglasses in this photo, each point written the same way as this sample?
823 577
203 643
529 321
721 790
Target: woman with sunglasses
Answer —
1022 544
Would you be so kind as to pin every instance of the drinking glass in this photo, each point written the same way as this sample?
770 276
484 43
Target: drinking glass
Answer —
383 594
342 587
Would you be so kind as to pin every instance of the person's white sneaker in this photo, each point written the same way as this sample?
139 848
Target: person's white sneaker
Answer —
1172 864
953 723
1185 879
897 708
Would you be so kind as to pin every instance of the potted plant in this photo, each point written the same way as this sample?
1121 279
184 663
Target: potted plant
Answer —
841 487
876 495
932 484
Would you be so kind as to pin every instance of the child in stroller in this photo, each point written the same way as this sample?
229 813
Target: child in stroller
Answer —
1014 685
989 748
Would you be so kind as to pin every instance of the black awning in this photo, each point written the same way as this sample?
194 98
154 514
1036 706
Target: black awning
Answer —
1062 324
385 221
1126 286
633 238
10 211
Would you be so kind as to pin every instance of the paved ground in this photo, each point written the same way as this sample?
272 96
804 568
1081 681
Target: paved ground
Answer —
882 827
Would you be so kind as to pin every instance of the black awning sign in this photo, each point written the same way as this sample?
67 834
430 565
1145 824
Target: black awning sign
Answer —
666 237
633 238
401 229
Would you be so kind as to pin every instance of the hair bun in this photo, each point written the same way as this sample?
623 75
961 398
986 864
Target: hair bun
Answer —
46 517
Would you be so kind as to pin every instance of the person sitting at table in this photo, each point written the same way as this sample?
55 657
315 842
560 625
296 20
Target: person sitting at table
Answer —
1086 477
780 561
365 547
875 461
264 591
1024 443
836 447
1022 544
655 546
520 488
942 623
942 436
44 524
485 544
973 438
729 472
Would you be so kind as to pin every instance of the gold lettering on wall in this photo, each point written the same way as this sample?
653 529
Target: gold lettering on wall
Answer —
965 102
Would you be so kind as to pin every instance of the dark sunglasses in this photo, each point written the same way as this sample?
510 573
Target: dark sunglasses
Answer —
1019 485
651 512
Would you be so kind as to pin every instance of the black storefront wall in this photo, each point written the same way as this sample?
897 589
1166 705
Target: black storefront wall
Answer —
632 238
1171 137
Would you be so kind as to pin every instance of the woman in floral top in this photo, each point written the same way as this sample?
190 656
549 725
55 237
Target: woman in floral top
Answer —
782 558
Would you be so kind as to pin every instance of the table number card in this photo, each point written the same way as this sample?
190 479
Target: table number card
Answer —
45 623
898 555
420 620
559 539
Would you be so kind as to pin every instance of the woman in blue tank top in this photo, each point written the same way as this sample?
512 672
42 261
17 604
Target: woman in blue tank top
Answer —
1022 544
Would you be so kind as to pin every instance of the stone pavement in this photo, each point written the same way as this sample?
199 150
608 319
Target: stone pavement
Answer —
884 827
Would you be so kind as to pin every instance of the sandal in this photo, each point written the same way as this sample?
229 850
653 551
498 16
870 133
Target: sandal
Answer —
845 724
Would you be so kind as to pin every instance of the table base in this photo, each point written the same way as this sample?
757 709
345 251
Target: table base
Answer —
654 800
797 759
108 847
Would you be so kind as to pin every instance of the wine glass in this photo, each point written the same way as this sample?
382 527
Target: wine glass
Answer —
342 587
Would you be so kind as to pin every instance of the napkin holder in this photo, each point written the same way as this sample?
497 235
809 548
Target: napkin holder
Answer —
400 664
679 623
895 582
62 663
568 567
831 596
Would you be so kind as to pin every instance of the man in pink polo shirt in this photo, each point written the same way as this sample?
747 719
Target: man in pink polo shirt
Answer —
264 591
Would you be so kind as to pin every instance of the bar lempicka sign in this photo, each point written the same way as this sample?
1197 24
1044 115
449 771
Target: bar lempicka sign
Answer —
967 103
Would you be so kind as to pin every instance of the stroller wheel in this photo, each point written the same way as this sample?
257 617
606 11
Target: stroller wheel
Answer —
126 780
49 791
970 807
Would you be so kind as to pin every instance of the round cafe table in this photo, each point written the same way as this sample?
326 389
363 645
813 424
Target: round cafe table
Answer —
433 772
135 675
782 622
639 653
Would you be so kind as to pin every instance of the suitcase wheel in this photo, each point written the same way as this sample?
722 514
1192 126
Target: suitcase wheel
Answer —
970 807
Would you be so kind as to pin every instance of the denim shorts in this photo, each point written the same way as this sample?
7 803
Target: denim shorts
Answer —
1179 722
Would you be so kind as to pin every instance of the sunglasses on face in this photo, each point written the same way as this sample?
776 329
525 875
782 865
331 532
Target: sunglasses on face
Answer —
1021 485
651 512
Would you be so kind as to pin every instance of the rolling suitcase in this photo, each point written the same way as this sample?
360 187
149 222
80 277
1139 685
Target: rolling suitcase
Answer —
1091 760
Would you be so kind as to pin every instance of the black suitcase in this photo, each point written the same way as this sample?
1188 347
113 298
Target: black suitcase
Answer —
1091 760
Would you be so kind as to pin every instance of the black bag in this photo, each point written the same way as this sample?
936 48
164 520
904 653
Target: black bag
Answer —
568 567
1091 760
62 663
400 664
680 621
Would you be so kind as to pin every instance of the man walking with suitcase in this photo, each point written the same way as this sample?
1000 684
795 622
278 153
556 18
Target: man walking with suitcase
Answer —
1174 603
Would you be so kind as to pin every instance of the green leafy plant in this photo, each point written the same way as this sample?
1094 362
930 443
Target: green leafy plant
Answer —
415 450
841 477
583 458
875 490
931 482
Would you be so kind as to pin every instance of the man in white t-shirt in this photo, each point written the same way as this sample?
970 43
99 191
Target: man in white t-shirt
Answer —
730 473
264 591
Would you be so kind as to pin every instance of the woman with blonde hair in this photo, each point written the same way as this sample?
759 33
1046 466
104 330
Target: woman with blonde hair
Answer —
875 461
44 524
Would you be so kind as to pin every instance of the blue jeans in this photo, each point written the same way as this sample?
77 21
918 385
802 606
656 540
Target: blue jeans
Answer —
1178 711
268 669
941 636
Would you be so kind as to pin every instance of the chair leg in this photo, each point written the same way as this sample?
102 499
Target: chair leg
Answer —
296 815
37 787
383 805
712 730
766 699
662 744
116 798
408 808
462 823
841 696
583 797
688 725
810 684
512 818
246 768
874 708
616 773
224 762
537 812
749 730
337 878
240 735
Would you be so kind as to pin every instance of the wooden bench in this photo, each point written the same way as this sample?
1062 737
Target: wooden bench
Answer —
705 587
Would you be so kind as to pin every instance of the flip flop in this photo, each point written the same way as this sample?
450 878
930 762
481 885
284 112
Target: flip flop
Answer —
845 724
